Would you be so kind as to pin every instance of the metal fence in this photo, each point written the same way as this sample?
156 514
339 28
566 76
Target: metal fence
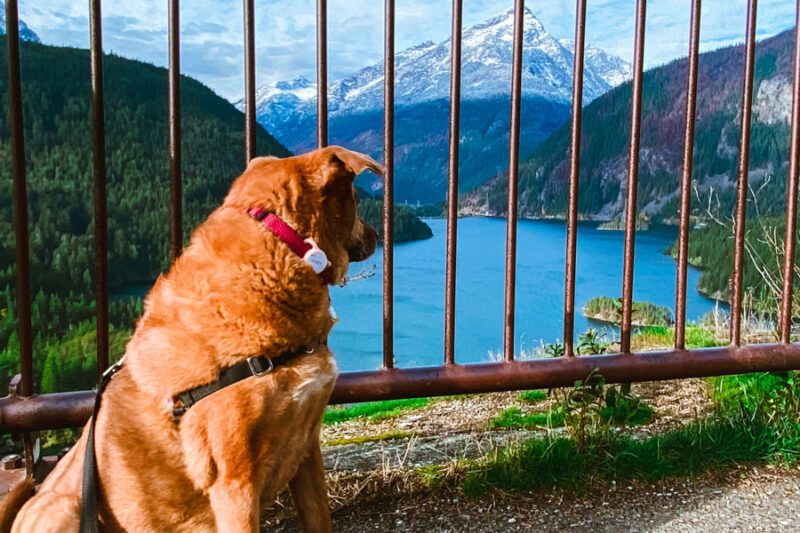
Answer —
24 411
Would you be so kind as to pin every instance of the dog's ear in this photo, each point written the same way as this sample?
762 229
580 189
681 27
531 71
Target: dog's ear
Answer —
340 164
356 162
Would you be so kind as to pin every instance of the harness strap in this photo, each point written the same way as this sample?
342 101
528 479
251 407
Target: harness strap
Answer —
252 366
89 514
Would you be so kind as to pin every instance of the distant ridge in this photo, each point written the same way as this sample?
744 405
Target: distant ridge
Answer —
604 145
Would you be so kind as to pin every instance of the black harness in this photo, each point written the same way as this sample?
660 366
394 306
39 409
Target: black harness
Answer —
257 366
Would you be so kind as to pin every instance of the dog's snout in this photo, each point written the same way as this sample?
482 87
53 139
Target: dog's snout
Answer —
365 245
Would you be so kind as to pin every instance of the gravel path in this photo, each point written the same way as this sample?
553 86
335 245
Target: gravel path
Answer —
741 500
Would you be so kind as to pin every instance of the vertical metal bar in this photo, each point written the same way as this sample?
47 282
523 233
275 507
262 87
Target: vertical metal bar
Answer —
633 178
388 185
574 176
20 201
452 185
791 193
100 214
175 189
322 73
249 82
741 184
686 177
513 179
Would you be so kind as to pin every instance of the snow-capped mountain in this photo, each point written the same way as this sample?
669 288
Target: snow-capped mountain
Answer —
422 90
613 69
422 73
25 33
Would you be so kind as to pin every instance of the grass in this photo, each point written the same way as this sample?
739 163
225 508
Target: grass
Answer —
514 418
655 337
757 420
690 450
389 435
533 396
375 411
770 392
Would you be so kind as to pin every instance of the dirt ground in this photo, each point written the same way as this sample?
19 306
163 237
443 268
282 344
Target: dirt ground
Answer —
450 429
745 499
763 498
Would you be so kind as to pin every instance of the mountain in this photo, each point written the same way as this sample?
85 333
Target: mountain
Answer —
604 143
25 33
613 69
422 89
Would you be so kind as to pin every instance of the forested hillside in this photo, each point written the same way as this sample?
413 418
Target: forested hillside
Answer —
56 109
605 134
711 249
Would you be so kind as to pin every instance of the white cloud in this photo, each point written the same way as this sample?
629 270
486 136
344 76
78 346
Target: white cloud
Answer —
212 31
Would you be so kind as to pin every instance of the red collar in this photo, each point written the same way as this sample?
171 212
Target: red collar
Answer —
306 249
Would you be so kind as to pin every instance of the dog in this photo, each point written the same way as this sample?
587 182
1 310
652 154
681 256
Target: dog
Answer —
237 291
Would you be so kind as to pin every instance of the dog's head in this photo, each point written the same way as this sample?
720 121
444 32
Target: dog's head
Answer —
314 194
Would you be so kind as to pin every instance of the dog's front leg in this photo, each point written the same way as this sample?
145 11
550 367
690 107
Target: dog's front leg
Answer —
311 494
235 505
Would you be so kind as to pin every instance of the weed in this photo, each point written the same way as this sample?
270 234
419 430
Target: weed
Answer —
591 343
533 396
555 349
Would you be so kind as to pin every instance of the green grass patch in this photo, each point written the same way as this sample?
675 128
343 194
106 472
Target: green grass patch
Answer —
773 393
373 410
514 418
653 337
533 396
389 435
757 420
688 451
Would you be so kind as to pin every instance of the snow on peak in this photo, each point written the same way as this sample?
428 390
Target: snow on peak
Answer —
613 69
25 33
422 73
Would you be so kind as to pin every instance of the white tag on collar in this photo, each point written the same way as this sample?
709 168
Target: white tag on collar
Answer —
315 257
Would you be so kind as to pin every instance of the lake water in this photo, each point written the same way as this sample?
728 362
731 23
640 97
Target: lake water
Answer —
419 290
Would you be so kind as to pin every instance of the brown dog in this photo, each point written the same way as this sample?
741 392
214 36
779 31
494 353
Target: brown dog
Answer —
236 291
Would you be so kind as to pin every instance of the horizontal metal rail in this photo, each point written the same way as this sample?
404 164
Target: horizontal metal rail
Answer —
73 409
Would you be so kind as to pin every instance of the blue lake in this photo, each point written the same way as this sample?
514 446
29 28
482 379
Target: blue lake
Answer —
357 340
419 290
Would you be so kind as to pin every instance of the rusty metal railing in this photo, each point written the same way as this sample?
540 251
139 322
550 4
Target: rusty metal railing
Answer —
24 411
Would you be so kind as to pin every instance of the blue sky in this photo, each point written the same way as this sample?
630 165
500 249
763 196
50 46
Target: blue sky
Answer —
211 30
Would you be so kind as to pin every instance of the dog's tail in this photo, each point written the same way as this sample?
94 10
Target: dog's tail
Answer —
13 502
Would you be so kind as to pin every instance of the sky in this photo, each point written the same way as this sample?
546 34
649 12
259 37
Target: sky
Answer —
212 31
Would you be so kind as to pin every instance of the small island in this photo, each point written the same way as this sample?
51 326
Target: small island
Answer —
609 310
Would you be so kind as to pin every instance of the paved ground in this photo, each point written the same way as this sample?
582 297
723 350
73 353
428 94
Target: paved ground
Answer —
741 500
